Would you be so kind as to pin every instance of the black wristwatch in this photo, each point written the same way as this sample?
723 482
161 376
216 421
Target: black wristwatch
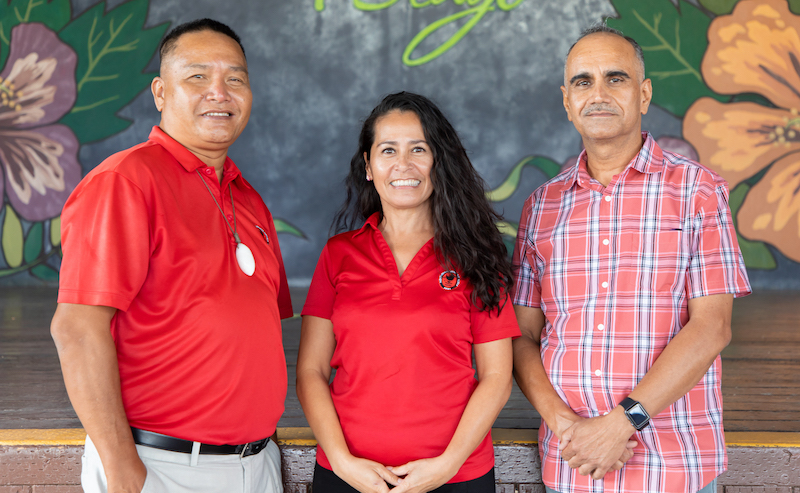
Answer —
635 412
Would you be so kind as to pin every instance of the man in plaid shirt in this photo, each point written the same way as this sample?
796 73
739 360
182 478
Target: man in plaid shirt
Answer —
626 268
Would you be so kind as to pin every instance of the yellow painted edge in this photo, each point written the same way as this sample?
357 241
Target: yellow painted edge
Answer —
776 439
64 436
302 436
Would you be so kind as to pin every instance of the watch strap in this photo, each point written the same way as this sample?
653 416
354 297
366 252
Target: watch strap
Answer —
627 403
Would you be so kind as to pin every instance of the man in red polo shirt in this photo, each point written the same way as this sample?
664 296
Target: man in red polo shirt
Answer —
626 267
172 290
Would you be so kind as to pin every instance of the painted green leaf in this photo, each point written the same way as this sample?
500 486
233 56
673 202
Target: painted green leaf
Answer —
12 238
55 231
794 6
113 51
674 42
54 14
33 243
756 254
282 226
719 7
45 272
506 189
508 228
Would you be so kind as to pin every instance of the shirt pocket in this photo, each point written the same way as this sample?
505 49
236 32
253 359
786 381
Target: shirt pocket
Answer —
657 257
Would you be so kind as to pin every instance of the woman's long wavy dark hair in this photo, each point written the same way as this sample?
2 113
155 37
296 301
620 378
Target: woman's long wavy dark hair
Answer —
465 234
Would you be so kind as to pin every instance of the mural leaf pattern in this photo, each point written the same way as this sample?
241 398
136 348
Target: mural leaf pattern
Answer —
33 243
55 14
282 226
12 238
511 184
549 167
113 52
673 41
719 7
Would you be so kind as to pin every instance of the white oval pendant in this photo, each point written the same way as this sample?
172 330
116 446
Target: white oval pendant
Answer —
245 259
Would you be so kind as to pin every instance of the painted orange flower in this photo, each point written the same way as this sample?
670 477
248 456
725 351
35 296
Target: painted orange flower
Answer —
755 49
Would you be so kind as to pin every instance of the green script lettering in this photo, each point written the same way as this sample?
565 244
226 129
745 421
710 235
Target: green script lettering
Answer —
477 14
479 8
508 6
369 6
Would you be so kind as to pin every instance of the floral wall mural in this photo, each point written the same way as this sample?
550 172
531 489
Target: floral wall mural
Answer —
754 50
731 71
74 78
63 82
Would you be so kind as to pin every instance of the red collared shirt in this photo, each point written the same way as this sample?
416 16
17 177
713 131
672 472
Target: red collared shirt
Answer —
403 354
198 342
613 269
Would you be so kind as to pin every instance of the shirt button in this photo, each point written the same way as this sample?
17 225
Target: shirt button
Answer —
208 171
606 242
608 198
605 284
601 327
597 372
230 218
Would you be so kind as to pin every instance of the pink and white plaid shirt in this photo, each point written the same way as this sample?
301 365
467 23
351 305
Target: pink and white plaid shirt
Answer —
613 269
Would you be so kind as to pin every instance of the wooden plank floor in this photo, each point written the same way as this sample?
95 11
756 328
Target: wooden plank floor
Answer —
761 367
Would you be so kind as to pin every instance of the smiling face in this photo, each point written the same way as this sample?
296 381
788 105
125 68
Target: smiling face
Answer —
203 93
604 92
400 162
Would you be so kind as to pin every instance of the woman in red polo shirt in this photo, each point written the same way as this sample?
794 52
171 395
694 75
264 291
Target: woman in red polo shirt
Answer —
397 307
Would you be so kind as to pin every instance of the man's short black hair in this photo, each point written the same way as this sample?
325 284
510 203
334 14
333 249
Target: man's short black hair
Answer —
169 41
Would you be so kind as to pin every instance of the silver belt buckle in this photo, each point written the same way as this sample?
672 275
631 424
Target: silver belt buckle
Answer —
244 450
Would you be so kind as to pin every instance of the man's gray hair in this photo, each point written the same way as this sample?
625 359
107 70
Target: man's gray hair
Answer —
603 28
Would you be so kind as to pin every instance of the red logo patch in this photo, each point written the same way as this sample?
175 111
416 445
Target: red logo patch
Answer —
449 280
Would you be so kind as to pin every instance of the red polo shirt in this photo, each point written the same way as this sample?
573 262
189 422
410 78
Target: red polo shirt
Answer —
403 354
198 342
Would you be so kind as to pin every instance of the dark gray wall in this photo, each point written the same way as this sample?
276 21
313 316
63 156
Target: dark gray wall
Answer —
316 75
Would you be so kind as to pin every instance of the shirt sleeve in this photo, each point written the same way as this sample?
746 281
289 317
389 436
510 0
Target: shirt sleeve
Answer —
105 231
716 265
489 326
284 296
525 290
322 292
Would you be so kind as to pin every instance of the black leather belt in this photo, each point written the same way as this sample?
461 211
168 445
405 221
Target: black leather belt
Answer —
165 442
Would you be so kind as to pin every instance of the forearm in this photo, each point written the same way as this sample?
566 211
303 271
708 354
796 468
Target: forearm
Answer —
684 361
481 411
91 375
315 398
535 385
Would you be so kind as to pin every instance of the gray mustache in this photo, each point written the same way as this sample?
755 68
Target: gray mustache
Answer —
599 107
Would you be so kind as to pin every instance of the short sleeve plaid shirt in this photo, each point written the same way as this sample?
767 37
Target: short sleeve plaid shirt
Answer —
613 269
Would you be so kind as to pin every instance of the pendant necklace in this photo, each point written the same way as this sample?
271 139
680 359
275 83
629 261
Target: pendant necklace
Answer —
244 256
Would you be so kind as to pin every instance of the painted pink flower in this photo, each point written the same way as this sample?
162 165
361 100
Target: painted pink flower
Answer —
39 158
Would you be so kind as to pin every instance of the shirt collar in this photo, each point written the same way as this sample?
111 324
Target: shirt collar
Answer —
650 159
184 156
370 223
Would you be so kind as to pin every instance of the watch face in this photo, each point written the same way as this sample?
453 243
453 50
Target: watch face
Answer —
638 415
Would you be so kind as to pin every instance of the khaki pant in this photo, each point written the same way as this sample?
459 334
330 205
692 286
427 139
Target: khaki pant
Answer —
174 472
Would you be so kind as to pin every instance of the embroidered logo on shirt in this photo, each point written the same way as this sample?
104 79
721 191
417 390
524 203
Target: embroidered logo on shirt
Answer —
449 280
264 233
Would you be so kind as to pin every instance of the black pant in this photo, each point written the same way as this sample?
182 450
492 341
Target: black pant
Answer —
326 481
